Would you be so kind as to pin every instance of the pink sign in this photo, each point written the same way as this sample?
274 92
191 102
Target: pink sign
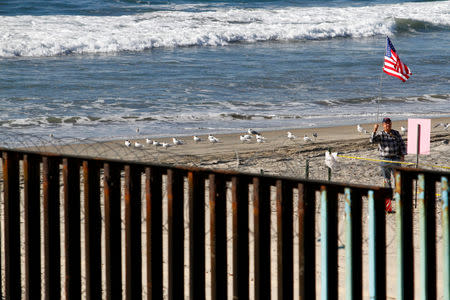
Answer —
425 132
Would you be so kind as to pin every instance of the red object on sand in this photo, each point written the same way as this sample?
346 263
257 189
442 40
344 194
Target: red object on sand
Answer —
388 204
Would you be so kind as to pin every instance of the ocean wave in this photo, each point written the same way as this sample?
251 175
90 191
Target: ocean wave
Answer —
54 35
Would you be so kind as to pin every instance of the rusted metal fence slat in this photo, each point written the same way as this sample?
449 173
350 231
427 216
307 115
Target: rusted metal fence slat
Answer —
377 246
405 253
72 244
31 174
217 207
285 242
353 244
92 212
261 213
52 248
113 253
427 236
175 188
12 225
133 232
307 241
328 241
196 235
445 238
239 194
153 196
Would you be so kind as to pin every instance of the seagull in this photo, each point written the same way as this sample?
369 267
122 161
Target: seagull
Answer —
360 128
156 143
251 131
137 130
213 139
127 143
306 138
148 141
290 135
403 130
177 141
197 139
245 138
138 145
260 139
315 135
165 145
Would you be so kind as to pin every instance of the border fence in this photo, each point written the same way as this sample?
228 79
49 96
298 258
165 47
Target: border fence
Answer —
70 239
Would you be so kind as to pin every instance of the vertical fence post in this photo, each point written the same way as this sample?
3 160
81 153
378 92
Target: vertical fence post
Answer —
329 243
12 225
240 237
261 213
377 244
133 232
113 230
445 239
285 242
353 244
217 207
31 174
91 174
405 254
427 239
175 197
307 241
52 244
153 187
71 179
196 235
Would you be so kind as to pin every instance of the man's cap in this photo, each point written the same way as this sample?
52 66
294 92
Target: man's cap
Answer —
386 120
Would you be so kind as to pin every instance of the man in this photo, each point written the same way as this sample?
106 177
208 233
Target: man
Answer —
391 147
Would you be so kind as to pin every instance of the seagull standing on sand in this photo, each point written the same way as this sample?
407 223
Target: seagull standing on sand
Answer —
156 143
148 141
127 143
290 135
213 139
315 135
251 131
306 138
197 139
260 139
138 145
244 138
403 130
177 141
360 128
165 145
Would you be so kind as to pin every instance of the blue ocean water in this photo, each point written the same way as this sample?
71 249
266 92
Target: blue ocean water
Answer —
100 69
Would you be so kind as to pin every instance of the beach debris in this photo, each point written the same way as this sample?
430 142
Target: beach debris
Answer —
446 126
403 130
138 145
148 141
177 142
127 143
331 160
315 135
254 132
290 135
213 139
196 139
307 139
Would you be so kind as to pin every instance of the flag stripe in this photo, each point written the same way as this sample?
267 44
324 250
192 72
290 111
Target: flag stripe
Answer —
393 65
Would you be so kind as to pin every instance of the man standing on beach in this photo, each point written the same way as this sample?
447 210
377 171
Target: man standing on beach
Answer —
391 147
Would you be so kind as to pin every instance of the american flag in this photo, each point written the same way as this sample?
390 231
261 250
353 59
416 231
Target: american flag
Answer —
392 63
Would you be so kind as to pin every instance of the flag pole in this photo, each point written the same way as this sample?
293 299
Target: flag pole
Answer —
380 88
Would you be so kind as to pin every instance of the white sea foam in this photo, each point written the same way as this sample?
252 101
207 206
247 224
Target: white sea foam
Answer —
63 34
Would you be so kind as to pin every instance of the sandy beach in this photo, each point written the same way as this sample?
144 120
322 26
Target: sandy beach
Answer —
277 155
